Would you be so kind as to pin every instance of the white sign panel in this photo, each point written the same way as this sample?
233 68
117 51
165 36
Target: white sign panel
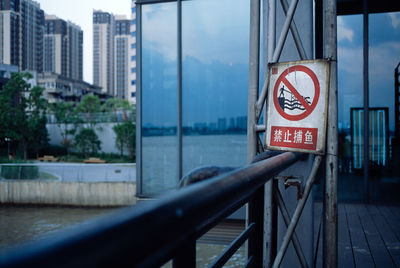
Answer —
297 106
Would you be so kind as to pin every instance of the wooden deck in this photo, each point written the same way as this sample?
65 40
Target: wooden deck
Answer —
369 235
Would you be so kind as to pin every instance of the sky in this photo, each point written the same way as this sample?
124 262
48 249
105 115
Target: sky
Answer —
80 12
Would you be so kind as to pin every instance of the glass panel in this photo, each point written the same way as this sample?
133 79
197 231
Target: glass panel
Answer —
215 79
159 98
384 56
350 96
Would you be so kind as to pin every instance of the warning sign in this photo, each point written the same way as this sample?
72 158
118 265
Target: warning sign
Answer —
297 106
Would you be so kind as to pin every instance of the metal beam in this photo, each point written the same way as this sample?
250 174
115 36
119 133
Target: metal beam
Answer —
295 33
285 30
297 212
286 219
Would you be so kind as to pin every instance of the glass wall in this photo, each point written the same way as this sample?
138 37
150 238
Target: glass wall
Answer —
384 57
350 96
384 153
215 38
159 98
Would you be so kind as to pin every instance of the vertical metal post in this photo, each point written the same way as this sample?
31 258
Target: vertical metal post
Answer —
254 63
330 239
179 59
255 244
270 206
256 205
396 102
186 257
366 100
139 184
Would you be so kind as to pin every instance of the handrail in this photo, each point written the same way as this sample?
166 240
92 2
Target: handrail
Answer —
151 233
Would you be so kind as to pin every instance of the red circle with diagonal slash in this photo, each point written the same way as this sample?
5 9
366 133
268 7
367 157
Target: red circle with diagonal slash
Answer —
308 108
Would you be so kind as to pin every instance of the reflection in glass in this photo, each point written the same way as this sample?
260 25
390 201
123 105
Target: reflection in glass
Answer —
159 98
350 96
384 56
215 78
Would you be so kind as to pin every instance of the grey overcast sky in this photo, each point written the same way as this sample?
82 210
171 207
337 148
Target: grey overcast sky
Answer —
80 13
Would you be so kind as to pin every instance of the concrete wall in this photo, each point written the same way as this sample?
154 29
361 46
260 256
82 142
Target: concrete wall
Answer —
100 194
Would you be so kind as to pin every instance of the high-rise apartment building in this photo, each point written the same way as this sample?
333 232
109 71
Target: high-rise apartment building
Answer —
21 34
63 48
114 53
103 50
121 56
132 57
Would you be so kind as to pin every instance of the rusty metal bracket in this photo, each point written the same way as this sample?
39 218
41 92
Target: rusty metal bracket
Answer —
296 181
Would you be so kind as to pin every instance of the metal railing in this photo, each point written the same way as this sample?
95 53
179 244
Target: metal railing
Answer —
150 234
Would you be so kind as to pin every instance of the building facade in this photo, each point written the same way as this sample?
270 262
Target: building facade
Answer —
121 52
21 34
131 96
103 50
59 88
63 48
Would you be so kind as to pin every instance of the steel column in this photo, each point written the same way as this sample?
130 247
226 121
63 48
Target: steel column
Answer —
270 220
255 207
330 237
139 189
254 67
179 89
396 102
366 100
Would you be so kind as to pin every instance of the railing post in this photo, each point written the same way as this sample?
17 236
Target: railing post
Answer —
186 257
256 216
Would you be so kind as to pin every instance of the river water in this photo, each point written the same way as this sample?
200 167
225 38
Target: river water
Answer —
21 224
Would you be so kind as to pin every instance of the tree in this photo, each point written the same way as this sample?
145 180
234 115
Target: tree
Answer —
116 106
87 141
126 137
90 107
66 120
22 112
36 120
